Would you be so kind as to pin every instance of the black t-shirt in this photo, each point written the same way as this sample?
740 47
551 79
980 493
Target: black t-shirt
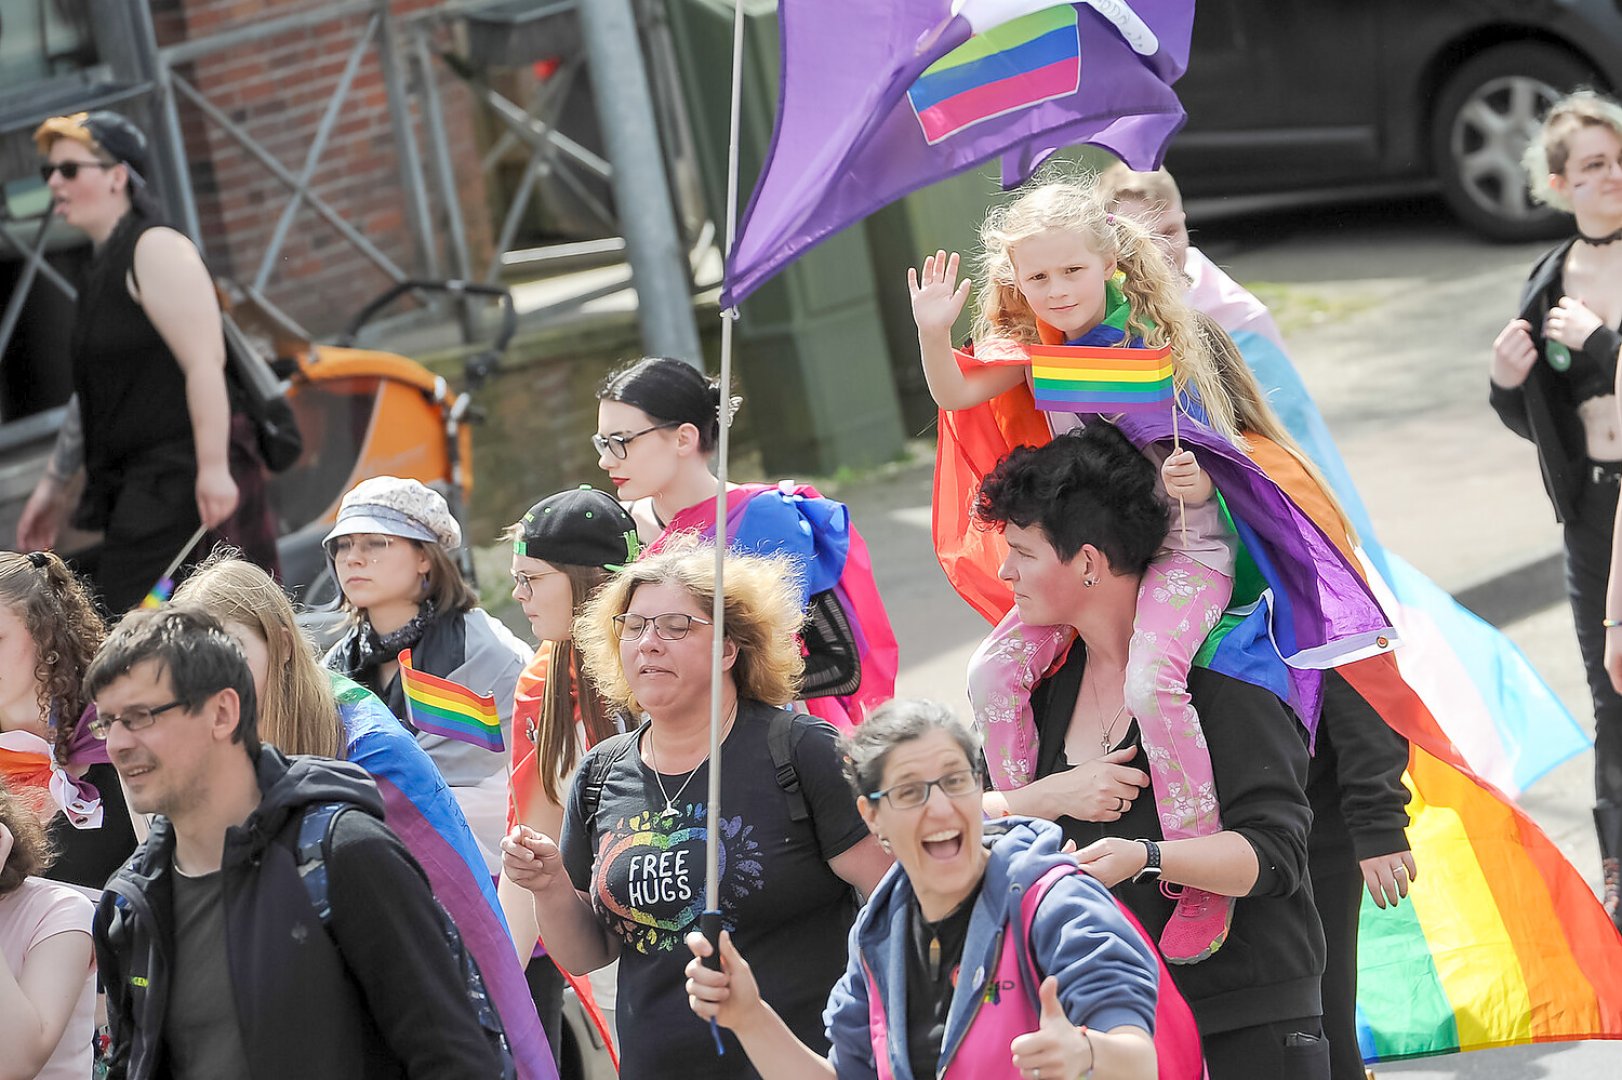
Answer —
932 971
789 914
88 857
1269 967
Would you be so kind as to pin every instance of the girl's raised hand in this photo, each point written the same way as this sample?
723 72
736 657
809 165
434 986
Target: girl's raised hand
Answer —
531 860
1185 479
937 296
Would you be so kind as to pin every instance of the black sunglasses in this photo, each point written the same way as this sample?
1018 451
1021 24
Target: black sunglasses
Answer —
69 169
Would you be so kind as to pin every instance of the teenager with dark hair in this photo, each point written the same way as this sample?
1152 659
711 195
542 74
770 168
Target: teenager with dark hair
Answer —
657 423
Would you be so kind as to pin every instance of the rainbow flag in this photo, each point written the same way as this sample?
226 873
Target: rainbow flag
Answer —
1089 379
1009 67
160 594
441 707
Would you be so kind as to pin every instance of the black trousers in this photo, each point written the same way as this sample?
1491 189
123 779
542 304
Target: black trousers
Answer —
1588 566
546 989
1337 889
1283 1050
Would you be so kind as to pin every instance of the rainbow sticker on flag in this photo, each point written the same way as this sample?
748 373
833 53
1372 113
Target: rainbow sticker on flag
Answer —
1010 67
1089 379
441 707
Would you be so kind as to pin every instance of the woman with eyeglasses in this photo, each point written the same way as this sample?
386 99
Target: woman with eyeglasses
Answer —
150 420
627 879
49 631
658 421
392 551
984 953
564 549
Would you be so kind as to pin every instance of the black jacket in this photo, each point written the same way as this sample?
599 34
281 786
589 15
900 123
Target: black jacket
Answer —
1271 966
1541 409
376 994
1359 803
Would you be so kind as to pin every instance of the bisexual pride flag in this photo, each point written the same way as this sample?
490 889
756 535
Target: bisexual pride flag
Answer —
441 707
1089 379
880 99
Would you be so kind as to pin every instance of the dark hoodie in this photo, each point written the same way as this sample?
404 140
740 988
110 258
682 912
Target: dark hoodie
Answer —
390 1003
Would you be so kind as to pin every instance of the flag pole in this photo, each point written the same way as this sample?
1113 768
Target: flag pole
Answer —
1177 445
710 922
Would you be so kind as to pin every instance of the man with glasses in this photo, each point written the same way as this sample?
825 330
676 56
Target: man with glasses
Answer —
215 960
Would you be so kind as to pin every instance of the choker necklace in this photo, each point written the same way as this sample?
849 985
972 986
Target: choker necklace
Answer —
670 810
1599 241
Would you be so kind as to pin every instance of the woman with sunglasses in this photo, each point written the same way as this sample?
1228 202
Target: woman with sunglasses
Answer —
392 550
658 421
150 421
986 952
627 879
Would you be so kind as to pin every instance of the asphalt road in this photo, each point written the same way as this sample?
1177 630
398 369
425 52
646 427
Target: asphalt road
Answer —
1389 311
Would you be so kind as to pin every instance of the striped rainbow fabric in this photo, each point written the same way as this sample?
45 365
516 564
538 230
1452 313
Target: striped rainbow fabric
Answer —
1013 66
1089 379
441 707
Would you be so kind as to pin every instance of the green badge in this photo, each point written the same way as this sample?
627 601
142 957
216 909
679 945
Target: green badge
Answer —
1558 355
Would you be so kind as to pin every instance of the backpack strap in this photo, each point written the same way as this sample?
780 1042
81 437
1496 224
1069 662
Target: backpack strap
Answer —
311 850
591 795
781 737
1027 918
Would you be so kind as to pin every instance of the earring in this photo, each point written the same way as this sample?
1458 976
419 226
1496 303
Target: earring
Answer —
883 843
51 658
1089 582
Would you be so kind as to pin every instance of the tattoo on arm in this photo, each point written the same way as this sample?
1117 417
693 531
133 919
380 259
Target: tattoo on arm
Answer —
68 455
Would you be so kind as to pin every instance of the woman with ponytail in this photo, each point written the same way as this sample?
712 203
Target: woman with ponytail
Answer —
49 631
658 422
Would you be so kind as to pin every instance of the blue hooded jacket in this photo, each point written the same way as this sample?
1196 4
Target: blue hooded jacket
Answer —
1107 973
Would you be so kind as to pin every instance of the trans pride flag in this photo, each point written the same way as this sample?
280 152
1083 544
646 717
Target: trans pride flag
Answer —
880 99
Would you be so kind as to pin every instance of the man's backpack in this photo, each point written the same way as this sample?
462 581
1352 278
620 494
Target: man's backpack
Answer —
782 736
314 844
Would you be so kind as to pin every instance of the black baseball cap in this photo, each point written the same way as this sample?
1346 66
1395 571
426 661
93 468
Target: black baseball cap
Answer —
102 130
579 527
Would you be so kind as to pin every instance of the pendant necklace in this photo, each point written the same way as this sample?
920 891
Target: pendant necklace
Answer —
1106 735
670 810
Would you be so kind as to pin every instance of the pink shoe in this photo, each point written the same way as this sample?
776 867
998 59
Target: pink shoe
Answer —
1198 926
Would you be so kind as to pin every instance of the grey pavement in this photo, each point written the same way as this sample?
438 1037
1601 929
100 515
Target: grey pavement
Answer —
1389 313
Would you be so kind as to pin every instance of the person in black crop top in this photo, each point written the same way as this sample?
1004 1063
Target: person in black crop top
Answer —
150 420
1553 382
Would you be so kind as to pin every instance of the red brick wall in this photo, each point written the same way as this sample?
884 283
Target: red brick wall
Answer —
278 89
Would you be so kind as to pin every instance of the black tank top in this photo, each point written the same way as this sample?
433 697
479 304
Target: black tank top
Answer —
132 392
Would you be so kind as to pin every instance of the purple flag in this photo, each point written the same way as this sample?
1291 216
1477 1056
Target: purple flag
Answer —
881 97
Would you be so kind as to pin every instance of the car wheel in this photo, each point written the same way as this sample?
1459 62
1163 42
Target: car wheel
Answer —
1485 116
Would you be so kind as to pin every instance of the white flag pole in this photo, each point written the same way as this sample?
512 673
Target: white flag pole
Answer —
711 920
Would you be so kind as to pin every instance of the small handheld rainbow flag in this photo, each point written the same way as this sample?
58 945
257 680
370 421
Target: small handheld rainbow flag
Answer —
1089 379
165 588
441 707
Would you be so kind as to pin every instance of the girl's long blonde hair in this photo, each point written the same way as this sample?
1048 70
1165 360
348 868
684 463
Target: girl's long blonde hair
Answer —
1159 314
1254 414
297 711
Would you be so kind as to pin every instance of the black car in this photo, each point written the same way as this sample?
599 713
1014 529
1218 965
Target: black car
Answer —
1308 100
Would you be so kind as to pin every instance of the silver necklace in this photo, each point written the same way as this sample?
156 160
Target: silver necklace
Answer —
1106 735
670 810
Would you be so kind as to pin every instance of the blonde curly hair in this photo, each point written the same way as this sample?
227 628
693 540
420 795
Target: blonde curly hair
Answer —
763 619
1159 314
1550 149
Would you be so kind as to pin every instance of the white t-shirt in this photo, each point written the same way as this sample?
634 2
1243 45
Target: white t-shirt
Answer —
29 914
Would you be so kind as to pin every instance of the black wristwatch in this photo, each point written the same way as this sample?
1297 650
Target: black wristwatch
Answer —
1151 866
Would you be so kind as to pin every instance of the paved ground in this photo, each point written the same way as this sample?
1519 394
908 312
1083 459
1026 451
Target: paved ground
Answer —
1389 312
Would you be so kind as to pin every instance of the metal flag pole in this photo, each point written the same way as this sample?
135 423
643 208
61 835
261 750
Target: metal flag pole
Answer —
710 922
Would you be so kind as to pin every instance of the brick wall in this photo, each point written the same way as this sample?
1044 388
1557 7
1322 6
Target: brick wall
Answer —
277 89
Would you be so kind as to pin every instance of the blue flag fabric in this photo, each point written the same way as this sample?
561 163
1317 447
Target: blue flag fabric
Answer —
880 99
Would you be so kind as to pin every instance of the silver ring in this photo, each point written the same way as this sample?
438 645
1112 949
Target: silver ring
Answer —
1399 869
1036 1074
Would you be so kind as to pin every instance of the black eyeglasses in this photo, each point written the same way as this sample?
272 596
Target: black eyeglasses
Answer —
619 445
69 169
524 584
671 626
133 718
958 784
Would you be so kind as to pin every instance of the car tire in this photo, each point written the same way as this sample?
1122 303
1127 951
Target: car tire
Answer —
1485 115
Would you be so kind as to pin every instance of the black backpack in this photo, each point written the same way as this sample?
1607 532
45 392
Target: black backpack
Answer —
314 843
782 736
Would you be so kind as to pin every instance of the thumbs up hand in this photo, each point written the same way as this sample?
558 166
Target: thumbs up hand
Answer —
1057 1048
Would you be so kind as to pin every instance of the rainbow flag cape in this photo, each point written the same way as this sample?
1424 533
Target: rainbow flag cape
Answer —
1088 379
441 707
817 532
421 810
